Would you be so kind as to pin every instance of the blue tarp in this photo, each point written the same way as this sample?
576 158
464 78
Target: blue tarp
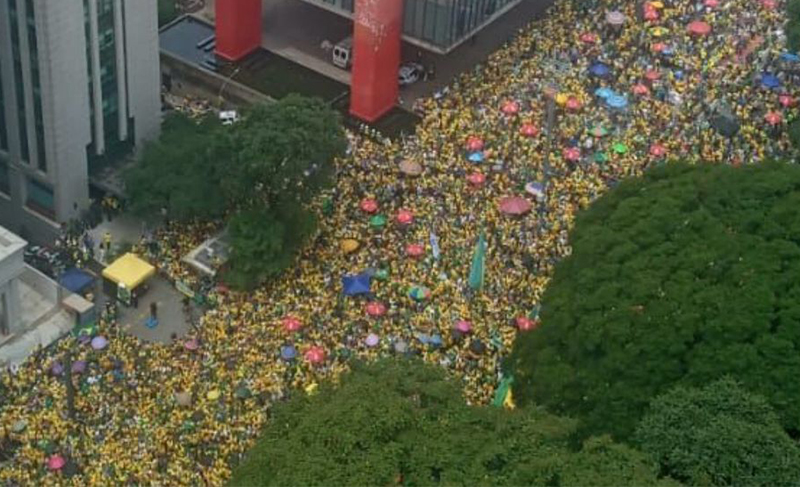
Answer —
356 284
76 280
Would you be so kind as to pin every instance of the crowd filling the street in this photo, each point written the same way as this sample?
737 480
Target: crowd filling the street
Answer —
438 245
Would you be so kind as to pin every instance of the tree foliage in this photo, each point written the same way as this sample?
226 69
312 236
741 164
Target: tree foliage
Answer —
402 423
793 25
680 277
179 173
719 435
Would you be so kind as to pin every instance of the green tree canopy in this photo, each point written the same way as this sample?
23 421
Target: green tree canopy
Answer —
683 276
403 423
179 173
719 435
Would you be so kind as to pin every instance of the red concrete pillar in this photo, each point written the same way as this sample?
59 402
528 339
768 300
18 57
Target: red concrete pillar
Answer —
377 28
238 26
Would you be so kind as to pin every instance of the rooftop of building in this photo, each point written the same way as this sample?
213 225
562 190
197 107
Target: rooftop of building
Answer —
10 243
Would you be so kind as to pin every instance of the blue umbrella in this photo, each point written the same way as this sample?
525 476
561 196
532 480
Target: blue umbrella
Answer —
356 284
617 101
288 352
603 92
679 74
599 69
790 56
476 157
770 81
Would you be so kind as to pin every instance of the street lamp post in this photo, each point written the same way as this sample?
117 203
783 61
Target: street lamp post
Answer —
225 84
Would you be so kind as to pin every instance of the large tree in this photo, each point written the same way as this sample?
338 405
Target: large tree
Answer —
403 423
179 173
683 276
719 435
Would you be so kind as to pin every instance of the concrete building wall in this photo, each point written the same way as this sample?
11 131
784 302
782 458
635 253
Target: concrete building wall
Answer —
143 69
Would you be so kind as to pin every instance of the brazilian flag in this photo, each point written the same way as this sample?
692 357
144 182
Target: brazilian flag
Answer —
476 274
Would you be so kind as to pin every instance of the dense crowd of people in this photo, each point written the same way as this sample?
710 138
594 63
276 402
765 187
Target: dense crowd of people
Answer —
623 89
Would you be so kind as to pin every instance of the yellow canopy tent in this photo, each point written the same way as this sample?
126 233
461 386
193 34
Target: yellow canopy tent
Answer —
129 270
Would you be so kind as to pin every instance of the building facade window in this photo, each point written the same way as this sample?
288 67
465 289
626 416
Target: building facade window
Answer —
3 129
40 198
33 47
18 81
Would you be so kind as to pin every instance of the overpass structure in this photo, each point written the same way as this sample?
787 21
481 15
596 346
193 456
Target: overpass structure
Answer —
379 26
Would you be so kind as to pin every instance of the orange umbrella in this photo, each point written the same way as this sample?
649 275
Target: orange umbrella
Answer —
405 217
514 205
529 130
369 205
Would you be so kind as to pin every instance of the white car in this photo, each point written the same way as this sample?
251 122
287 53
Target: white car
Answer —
229 117
409 73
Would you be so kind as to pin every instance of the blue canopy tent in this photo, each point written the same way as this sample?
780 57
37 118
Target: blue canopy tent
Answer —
356 284
76 280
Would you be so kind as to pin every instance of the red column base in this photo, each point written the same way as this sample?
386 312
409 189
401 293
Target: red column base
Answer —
238 28
377 30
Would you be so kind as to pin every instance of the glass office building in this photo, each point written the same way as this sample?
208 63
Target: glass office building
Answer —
438 24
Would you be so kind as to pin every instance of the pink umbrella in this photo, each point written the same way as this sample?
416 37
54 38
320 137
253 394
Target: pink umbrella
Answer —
786 100
773 118
652 75
191 344
699 28
711 3
369 205
376 309
514 205
658 150
529 130
769 4
405 217
526 324
650 15
291 324
56 462
372 340
474 143
415 250
463 326
571 153
588 38
510 107
640 89
476 179
658 47
315 355
573 103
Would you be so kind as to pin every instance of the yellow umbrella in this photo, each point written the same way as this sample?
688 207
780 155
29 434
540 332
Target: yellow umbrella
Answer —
562 98
213 395
349 245
657 4
659 31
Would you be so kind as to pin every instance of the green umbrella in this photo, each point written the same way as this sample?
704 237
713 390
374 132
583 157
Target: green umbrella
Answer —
600 157
377 221
598 131
381 274
476 274
242 392
419 293
620 148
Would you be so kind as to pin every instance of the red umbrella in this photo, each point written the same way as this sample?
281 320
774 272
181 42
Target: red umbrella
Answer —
699 28
405 217
315 355
415 250
526 324
291 324
711 3
573 103
369 205
640 89
376 308
514 205
588 38
474 143
652 75
529 130
773 118
650 14
769 4
658 150
55 462
786 100
476 179
658 47
510 107
463 326
572 153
